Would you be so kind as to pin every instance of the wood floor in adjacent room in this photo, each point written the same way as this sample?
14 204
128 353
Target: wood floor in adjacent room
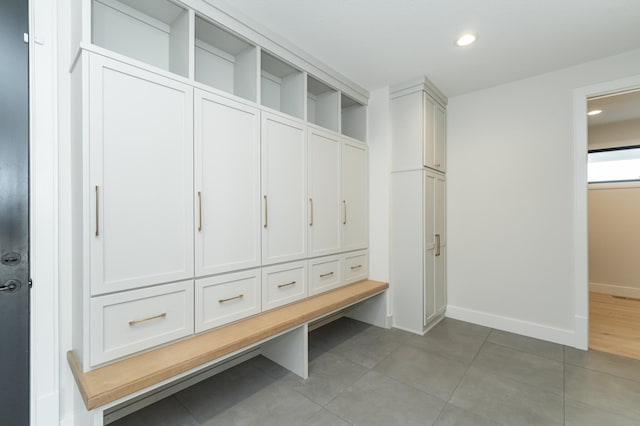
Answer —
614 324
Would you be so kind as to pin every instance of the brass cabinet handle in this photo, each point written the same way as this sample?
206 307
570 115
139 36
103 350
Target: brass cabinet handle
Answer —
97 211
134 322
240 296
356 267
266 212
344 203
437 244
328 274
286 285
311 203
199 211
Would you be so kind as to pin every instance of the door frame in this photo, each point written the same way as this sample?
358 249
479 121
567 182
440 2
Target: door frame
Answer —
580 200
44 152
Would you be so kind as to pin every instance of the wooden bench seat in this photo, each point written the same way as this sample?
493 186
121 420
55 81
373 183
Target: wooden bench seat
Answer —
122 378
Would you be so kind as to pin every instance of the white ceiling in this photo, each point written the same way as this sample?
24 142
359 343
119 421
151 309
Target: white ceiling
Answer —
615 108
382 42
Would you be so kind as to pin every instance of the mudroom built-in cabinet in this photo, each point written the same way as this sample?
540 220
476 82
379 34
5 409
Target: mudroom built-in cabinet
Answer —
215 175
418 240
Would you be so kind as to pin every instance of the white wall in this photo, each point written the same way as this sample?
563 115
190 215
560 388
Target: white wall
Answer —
379 175
614 238
510 200
611 135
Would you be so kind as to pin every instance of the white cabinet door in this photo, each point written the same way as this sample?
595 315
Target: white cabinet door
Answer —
428 135
430 247
440 258
355 200
284 189
324 193
227 185
439 137
435 245
141 177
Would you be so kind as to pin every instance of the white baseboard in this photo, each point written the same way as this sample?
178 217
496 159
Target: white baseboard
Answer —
67 421
513 325
389 321
47 409
615 290
582 333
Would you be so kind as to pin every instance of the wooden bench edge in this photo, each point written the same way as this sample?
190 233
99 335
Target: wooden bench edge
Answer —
99 399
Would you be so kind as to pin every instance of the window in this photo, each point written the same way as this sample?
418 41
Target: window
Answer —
614 165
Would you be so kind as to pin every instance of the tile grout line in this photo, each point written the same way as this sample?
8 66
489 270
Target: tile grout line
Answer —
564 385
448 401
528 352
186 408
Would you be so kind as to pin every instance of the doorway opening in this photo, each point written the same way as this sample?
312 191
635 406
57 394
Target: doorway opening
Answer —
613 175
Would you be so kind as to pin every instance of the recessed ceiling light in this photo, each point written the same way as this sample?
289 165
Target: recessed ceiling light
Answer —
466 39
594 112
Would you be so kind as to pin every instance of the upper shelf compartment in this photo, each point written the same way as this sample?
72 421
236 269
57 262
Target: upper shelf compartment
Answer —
152 31
225 61
323 104
354 118
282 86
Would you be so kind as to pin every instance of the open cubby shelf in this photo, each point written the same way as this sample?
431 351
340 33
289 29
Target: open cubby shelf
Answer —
170 36
152 31
354 118
323 104
282 85
225 61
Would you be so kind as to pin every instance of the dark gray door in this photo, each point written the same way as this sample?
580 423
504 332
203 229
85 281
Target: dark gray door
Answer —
14 214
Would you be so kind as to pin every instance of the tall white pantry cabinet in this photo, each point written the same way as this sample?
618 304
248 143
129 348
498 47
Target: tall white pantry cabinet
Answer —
418 206
212 179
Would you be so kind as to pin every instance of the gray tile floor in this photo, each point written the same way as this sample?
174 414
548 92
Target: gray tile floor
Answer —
458 374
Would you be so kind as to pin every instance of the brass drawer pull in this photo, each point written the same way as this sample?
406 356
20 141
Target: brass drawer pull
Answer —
311 203
437 244
240 296
134 322
356 267
328 274
286 285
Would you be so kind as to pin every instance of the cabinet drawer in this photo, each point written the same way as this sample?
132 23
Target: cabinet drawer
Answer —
227 298
355 267
325 274
127 322
283 284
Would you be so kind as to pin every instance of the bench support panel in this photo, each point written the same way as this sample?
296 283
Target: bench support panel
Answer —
290 350
372 311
